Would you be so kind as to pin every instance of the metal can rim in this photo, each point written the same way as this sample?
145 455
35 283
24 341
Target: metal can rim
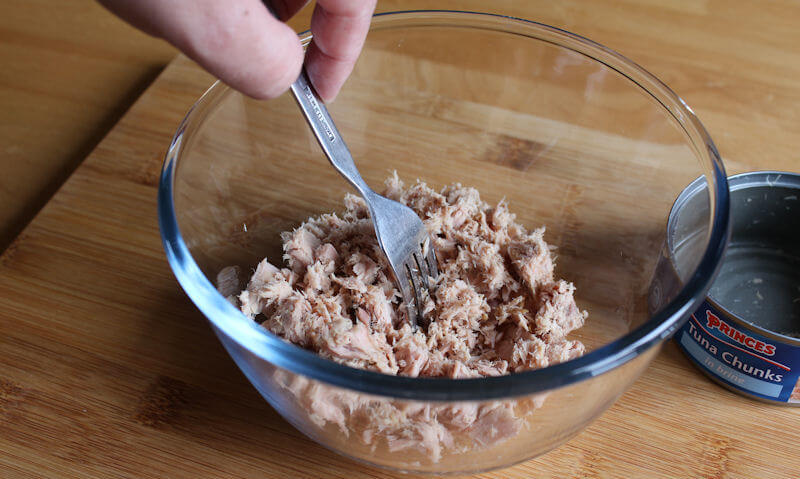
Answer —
736 182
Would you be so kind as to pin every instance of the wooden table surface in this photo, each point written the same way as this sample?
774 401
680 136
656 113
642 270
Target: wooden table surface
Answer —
69 72
70 69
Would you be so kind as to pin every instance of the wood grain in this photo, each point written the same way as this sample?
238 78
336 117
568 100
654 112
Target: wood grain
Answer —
69 72
107 370
70 69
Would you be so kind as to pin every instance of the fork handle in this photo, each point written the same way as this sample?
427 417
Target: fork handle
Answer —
324 129
326 132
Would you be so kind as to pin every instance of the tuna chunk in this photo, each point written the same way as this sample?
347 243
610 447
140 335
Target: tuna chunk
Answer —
228 284
557 314
531 259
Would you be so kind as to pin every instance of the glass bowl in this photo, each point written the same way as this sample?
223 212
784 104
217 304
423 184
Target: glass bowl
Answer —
570 133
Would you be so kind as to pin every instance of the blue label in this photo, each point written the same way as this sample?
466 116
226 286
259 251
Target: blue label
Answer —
742 358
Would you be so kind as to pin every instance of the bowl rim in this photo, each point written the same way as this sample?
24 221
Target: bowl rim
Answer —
230 322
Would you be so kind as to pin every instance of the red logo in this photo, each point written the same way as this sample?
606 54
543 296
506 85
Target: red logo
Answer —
713 322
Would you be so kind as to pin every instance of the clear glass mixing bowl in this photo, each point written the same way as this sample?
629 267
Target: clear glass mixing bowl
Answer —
572 134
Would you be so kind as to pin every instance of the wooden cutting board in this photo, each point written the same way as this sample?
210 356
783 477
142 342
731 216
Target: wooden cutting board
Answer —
108 370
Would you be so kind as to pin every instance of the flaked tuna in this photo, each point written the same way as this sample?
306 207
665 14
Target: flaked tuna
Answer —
497 308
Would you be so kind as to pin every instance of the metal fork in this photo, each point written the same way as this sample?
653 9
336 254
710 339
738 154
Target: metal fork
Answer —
401 234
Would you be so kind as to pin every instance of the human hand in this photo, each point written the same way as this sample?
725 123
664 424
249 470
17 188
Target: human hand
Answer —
241 43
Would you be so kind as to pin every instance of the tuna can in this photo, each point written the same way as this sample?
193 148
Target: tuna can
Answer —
746 333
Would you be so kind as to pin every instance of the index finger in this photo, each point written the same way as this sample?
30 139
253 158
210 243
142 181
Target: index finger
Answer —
237 40
339 28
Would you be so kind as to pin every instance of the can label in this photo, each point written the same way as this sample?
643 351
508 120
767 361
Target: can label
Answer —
740 357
